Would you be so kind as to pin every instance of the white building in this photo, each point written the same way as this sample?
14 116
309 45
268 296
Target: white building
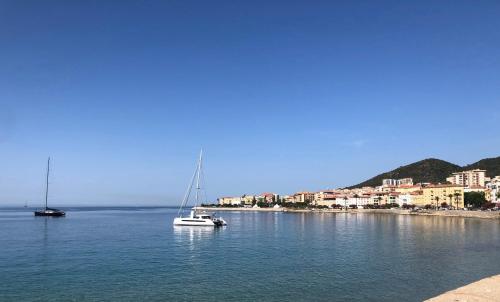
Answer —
471 178
494 186
389 182
231 201
351 200
397 182
405 199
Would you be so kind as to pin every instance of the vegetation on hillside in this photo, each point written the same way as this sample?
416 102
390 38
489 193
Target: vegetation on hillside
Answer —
427 170
491 165
433 170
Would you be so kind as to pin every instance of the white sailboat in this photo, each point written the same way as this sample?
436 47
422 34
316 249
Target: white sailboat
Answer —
194 218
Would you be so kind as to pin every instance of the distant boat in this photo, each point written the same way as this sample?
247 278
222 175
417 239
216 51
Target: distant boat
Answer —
48 211
194 218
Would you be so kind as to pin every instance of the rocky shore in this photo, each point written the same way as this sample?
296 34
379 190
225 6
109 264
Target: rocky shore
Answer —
449 213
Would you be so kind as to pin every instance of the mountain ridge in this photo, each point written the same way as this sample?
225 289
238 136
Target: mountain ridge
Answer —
432 170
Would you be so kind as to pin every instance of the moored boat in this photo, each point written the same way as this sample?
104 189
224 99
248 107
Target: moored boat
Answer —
194 218
48 211
201 219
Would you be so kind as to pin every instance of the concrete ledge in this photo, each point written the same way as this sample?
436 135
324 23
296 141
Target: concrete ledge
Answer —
460 213
485 290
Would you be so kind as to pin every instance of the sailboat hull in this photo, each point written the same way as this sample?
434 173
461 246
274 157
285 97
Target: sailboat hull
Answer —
51 213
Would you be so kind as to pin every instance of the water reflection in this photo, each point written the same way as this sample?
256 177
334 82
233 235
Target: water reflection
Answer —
193 234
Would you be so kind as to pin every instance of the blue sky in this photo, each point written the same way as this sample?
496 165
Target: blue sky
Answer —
282 95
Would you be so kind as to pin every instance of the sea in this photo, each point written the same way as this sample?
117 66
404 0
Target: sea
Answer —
136 254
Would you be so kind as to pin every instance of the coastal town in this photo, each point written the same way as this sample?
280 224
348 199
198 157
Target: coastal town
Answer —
470 189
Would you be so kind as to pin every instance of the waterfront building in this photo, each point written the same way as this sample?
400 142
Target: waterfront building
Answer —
342 200
494 186
248 200
326 202
307 197
405 199
270 197
437 194
287 198
360 200
230 201
471 178
378 198
392 198
325 197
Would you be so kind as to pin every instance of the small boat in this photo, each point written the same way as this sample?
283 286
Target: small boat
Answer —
194 218
48 211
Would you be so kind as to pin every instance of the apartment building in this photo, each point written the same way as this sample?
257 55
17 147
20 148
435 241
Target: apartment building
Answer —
494 186
471 178
303 197
397 182
437 194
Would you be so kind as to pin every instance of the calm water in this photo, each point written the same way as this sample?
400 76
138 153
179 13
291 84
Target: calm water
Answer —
136 254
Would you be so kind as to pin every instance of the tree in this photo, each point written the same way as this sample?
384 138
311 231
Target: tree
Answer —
345 202
444 205
437 201
450 196
457 195
262 204
475 199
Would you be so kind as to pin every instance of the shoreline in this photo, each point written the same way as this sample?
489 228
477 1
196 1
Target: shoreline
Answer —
448 213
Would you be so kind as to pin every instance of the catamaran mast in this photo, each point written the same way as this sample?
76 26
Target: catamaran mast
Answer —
47 183
198 177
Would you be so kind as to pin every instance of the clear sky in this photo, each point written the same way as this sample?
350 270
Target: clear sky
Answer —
282 95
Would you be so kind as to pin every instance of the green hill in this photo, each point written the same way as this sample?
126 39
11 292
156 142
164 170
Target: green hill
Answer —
432 170
491 165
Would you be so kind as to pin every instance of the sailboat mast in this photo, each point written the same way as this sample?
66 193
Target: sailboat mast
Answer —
198 177
47 183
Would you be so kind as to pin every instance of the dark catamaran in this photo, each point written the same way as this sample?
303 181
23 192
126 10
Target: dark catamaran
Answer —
48 211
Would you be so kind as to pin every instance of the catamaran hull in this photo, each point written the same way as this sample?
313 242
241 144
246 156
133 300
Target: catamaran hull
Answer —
197 222
193 222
